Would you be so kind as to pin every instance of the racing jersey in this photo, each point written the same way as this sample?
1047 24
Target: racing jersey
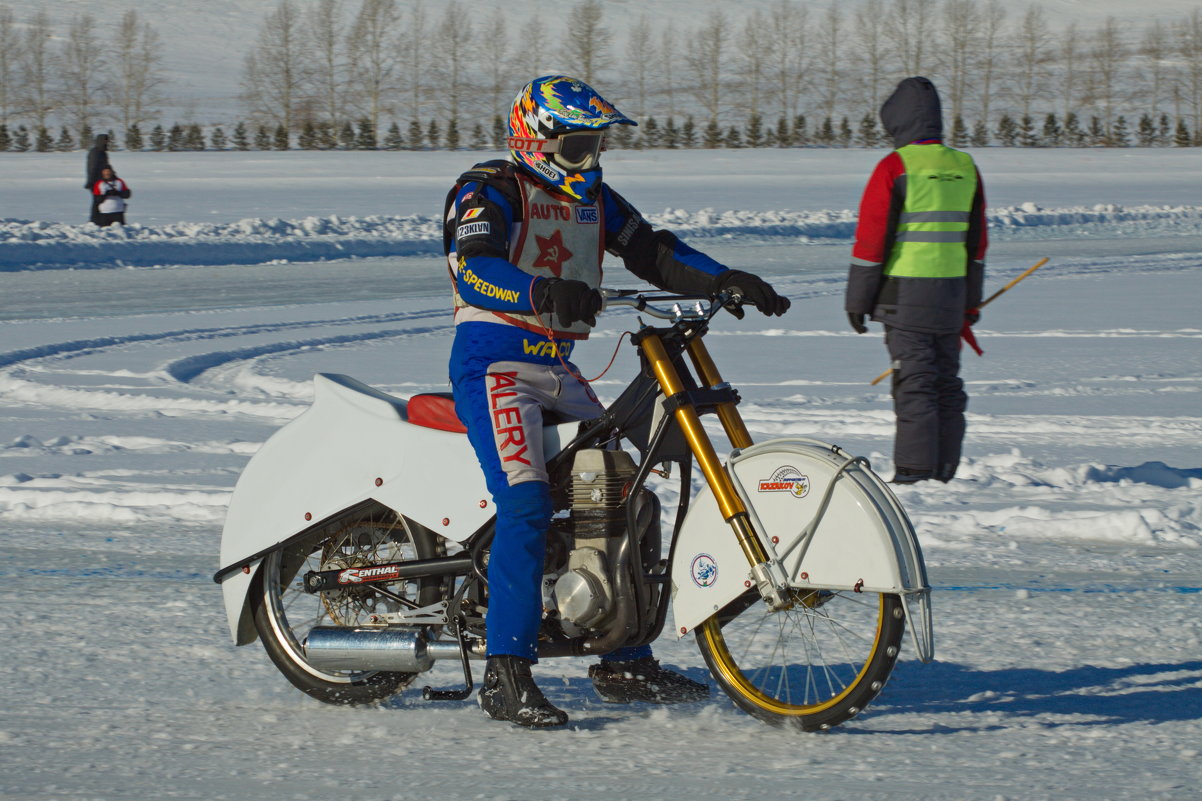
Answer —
505 231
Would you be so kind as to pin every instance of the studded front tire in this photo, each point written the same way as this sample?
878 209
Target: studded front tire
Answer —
812 666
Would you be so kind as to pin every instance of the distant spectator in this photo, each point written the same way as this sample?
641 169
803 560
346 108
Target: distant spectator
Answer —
98 159
109 194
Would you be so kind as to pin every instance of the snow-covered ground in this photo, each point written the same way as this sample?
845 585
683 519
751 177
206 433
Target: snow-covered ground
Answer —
140 369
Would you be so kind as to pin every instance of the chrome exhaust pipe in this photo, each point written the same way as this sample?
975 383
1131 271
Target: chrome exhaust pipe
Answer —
400 650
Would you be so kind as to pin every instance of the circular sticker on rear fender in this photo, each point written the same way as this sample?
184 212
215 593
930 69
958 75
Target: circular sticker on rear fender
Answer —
704 570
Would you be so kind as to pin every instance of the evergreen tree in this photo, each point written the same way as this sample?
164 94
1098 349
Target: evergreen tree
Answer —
21 139
452 135
365 139
281 140
327 135
1007 131
415 140
980 134
868 131
158 139
1026 132
1164 133
826 134
960 136
262 138
175 138
346 137
1097 134
1145 133
621 137
500 132
781 137
194 138
433 133
671 137
133 138
688 133
1051 131
648 134
241 137
1180 139
712 138
1073 135
6 139
1120 135
217 139
801 136
44 142
85 136
393 139
755 131
65 143
844 133
307 140
733 139
114 145
479 140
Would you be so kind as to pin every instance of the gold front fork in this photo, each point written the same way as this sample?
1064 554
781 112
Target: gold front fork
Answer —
729 503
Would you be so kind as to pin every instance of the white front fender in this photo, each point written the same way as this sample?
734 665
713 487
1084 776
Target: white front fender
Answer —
827 519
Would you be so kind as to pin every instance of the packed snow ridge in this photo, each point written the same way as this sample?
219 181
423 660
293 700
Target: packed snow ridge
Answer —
26 245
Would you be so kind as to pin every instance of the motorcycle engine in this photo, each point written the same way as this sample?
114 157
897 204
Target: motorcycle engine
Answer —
583 594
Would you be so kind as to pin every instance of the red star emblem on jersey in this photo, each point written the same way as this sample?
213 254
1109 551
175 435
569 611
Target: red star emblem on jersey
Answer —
551 252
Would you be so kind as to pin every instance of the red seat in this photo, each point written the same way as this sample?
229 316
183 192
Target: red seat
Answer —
435 410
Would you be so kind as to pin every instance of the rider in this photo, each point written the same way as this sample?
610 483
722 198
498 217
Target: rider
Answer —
525 240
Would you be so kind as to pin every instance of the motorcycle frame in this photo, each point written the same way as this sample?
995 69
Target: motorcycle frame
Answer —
659 413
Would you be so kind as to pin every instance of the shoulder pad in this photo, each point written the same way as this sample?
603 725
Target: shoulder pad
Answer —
489 172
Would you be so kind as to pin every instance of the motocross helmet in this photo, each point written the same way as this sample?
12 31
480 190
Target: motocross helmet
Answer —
556 132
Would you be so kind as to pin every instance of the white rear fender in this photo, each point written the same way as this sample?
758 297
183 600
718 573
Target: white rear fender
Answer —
826 518
352 446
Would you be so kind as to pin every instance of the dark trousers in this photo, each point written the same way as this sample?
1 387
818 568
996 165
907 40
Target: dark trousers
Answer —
928 399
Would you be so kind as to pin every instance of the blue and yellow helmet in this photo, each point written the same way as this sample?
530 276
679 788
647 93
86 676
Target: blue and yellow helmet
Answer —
556 131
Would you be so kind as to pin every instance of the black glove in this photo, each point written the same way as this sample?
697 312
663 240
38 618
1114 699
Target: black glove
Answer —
571 301
971 316
754 290
857 322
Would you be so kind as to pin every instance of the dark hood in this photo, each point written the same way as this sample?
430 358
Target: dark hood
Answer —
913 112
101 142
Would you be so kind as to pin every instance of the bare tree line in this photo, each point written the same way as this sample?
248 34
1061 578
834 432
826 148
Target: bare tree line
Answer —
443 73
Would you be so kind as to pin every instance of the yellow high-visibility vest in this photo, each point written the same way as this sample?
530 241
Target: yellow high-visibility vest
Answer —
932 228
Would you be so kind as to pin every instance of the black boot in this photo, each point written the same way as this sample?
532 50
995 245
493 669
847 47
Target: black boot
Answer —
509 693
644 680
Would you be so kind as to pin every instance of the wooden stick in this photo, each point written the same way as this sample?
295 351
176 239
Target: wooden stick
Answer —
1027 272
984 303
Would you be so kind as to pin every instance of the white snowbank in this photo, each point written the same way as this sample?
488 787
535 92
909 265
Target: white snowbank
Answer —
26 245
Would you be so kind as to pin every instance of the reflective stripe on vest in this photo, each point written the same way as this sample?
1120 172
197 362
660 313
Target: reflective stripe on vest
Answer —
932 229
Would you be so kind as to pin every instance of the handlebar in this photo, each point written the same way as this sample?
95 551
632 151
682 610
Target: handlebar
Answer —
703 306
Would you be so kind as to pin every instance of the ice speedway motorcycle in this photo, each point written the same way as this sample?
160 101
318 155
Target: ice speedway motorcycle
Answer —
357 539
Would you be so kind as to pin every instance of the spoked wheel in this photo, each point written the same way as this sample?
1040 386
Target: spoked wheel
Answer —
813 665
285 612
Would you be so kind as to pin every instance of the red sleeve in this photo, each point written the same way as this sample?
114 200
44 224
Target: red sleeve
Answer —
96 190
872 230
978 225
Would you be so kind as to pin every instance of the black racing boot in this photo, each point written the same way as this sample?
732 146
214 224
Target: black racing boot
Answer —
644 680
509 693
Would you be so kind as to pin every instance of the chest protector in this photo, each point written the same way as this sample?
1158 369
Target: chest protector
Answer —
932 229
552 237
